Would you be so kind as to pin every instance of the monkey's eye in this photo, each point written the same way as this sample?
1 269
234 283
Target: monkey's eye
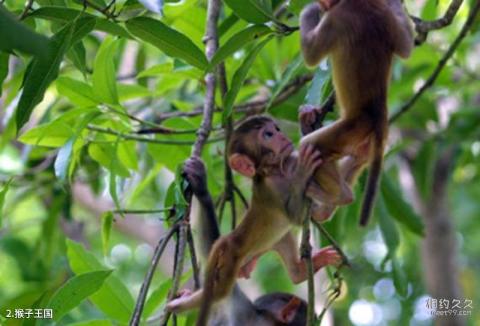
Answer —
277 129
267 134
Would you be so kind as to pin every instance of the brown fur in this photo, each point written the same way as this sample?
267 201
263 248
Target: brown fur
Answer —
277 204
360 37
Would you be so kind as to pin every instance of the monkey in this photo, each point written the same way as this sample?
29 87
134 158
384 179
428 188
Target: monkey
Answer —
349 166
259 150
274 309
360 37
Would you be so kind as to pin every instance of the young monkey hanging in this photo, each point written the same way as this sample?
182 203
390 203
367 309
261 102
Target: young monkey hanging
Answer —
360 37
259 150
274 309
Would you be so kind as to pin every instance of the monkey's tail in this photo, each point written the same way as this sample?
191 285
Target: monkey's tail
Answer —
374 172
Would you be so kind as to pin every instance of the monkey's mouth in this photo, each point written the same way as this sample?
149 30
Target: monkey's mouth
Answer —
287 148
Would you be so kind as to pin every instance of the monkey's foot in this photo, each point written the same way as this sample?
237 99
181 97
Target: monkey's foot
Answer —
248 268
176 304
326 256
322 213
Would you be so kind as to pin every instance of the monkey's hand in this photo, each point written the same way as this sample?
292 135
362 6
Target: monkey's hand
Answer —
309 117
309 159
194 171
325 257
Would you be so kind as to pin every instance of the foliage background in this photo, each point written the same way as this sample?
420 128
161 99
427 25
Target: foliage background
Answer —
75 93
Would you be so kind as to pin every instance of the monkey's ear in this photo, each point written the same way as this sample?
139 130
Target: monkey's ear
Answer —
289 311
242 164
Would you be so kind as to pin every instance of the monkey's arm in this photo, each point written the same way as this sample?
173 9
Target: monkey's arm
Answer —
403 32
202 211
317 37
308 161
287 248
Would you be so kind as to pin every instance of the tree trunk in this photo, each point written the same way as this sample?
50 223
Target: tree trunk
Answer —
439 247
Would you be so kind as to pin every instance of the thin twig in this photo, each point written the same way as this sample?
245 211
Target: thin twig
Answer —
252 107
228 126
424 27
142 211
306 255
211 46
26 10
332 241
242 196
180 259
441 64
162 244
134 137
167 131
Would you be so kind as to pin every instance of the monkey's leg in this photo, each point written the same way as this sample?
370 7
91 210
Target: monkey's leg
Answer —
335 141
223 267
186 302
329 187
287 248
340 138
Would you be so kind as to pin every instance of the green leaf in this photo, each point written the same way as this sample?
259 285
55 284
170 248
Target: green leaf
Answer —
62 162
65 15
3 69
113 298
78 92
398 208
77 54
399 279
156 70
253 11
239 78
315 91
41 74
107 222
83 26
104 78
17 36
296 6
103 154
387 227
75 290
54 134
156 298
237 42
170 41
131 91
3 193
291 70
424 168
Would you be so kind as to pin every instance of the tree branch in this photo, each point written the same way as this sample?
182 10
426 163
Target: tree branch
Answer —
424 27
306 255
441 64
144 139
211 45
177 274
162 244
252 107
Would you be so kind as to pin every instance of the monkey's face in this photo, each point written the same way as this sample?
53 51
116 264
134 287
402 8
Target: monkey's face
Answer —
270 137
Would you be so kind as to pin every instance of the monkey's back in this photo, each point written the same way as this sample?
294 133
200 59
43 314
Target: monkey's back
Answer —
362 56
